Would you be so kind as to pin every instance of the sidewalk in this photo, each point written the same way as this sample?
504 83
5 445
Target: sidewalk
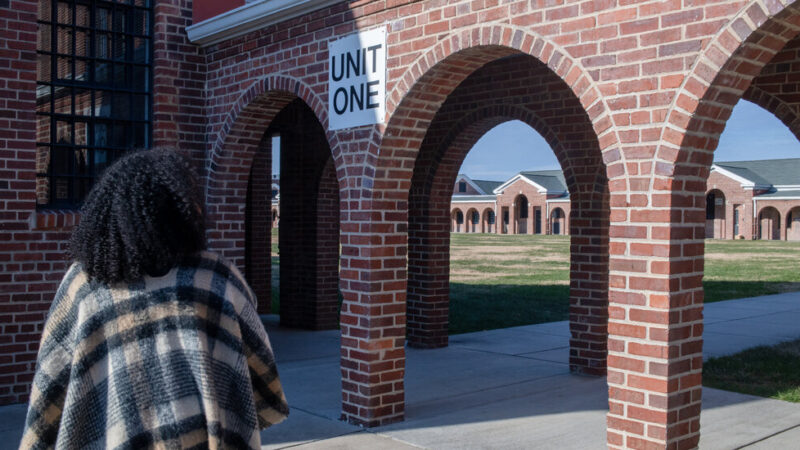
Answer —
512 388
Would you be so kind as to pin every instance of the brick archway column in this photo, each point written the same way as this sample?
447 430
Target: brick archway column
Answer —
373 315
588 296
429 269
258 227
655 314
308 237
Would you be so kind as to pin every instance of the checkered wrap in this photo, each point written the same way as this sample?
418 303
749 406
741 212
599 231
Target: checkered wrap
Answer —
179 361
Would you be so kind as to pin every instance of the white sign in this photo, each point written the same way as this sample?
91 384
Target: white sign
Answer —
357 80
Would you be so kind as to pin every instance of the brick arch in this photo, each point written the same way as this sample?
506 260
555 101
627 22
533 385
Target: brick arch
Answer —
231 156
720 77
463 136
549 107
775 105
672 214
414 99
272 92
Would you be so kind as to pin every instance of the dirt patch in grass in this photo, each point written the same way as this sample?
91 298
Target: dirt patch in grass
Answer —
748 257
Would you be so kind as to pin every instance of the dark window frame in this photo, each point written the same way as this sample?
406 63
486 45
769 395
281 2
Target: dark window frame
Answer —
94 92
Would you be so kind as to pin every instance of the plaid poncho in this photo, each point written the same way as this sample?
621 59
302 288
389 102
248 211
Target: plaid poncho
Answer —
179 361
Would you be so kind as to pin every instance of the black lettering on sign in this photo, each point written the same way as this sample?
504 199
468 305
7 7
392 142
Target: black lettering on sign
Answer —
357 97
340 110
371 93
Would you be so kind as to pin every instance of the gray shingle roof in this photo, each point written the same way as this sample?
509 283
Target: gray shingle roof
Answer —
781 194
552 180
487 186
766 172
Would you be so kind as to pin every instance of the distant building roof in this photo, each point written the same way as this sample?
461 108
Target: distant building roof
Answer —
484 187
487 186
767 172
781 194
552 180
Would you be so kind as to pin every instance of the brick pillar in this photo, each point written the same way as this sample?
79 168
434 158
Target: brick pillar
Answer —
326 310
258 229
373 317
655 320
588 296
307 240
428 269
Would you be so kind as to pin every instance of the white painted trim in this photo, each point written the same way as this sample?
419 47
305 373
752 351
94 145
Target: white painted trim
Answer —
250 17
563 200
472 201
766 199
744 181
499 190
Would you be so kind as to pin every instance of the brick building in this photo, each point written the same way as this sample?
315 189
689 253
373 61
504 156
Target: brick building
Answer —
744 200
754 200
534 202
631 97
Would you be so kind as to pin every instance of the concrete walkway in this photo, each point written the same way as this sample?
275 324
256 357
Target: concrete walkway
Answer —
511 388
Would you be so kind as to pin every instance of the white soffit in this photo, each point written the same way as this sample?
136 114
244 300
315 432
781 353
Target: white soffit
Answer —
250 17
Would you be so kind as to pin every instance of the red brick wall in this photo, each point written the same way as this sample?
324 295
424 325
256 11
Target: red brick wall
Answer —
33 243
509 198
734 195
654 82
258 230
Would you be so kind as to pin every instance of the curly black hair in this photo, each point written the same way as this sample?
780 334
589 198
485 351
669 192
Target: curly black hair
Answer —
142 217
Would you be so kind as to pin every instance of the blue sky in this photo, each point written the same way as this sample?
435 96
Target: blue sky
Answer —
751 133
511 147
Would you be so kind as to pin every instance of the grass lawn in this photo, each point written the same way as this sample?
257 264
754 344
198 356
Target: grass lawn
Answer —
499 281
766 371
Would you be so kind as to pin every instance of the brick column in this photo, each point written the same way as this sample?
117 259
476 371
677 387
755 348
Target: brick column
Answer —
655 318
373 316
588 296
429 267
258 229
308 238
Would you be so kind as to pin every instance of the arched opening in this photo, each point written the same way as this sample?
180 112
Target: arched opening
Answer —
769 224
473 221
521 215
457 221
558 221
455 128
241 208
793 224
715 215
761 68
489 221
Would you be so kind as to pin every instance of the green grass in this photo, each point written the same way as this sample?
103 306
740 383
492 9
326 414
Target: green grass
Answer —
766 371
736 269
499 281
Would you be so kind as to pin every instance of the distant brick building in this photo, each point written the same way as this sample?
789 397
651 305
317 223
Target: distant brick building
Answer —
744 200
534 202
754 200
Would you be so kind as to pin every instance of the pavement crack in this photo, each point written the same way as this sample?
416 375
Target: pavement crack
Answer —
768 437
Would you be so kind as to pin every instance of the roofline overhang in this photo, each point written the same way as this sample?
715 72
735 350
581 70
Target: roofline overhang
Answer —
474 185
499 190
250 17
746 183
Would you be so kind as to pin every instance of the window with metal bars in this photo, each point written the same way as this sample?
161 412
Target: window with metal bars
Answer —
94 92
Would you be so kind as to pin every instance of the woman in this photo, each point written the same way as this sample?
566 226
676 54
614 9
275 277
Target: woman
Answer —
151 341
